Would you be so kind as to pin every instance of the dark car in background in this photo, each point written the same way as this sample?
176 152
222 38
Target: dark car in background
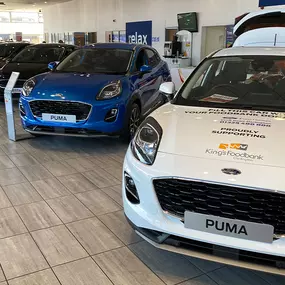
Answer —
31 61
9 50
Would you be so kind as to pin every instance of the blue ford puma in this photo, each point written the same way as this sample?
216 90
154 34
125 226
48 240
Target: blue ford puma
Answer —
102 89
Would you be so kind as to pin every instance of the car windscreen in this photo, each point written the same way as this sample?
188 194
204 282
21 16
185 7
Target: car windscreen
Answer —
97 60
253 82
6 50
39 55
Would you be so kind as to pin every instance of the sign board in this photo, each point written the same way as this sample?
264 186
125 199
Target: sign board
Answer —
265 3
19 36
139 32
229 35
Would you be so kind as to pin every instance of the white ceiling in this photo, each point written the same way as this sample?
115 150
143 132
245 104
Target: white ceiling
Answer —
29 5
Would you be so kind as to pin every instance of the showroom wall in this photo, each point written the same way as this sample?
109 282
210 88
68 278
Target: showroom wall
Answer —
108 15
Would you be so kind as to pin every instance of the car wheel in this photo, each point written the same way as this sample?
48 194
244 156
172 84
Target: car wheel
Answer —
133 123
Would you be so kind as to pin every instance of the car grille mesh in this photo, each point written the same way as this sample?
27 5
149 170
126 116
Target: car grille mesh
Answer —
177 196
80 110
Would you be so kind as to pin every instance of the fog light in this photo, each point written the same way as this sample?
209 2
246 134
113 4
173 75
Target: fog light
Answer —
111 115
131 190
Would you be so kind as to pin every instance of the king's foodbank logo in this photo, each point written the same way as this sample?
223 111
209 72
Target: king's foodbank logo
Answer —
236 146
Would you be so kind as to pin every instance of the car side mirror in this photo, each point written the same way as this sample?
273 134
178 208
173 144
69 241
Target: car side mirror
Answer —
167 89
145 69
52 65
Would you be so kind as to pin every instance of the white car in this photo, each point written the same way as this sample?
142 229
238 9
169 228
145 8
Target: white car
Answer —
204 173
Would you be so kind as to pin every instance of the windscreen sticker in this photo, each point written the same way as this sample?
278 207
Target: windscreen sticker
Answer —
217 98
239 133
255 122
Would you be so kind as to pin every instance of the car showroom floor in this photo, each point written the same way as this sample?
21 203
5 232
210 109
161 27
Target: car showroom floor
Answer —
61 221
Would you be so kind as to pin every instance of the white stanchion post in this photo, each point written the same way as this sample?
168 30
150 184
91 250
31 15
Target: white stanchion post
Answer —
9 105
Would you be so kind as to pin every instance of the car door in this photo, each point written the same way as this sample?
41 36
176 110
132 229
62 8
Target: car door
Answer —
140 82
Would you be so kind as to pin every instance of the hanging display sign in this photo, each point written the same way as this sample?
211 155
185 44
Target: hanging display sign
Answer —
229 35
265 3
139 32
19 36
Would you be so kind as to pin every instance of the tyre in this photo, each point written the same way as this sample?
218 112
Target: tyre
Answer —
133 122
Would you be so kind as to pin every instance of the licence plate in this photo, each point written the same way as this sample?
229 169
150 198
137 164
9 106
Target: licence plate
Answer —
228 227
59 118
17 90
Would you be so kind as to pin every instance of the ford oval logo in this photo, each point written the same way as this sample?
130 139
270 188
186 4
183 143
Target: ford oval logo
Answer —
231 171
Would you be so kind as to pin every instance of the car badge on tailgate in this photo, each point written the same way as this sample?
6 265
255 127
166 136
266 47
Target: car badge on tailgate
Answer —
231 171
58 95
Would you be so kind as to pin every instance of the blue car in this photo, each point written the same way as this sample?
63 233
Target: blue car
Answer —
102 89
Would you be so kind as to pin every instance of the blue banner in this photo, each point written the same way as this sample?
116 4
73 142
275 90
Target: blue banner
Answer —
139 32
265 3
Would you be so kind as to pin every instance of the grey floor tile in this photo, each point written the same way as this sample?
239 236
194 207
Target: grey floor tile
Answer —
84 271
59 168
118 224
50 188
11 176
5 162
2 277
104 161
116 172
22 193
94 236
81 164
10 223
38 216
172 268
58 245
19 255
13 148
272 279
204 265
77 183
115 192
4 283
236 276
201 280
69 209
101 178
23 159
45 277
98 202
35 172
4 201
123 267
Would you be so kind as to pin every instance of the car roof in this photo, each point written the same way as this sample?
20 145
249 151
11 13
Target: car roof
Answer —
126 46
51 45
251 51
14 43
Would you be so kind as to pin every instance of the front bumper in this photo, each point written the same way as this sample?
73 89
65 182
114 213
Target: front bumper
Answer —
94 125
167 232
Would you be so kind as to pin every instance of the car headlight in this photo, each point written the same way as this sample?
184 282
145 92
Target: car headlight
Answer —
146 141
110 91
28 87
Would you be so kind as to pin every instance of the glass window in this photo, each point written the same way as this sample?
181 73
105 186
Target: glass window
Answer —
8 49
24 17
237 81
39 55
97 60
4 17
152 58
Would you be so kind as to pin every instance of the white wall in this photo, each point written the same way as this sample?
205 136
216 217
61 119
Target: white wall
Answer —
98 15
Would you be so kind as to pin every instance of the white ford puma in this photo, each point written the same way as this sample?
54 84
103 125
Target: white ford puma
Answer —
205 174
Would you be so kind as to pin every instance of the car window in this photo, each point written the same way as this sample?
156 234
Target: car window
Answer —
39 55
237 81
141 60
97 60
152 58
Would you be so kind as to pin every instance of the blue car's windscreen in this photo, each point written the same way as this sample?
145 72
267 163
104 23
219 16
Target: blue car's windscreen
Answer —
39 55
97 60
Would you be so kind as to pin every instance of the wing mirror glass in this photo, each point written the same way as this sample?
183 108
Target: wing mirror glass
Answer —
52 65
167 89
145 69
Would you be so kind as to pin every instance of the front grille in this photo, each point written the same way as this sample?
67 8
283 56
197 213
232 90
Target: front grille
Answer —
80 110
177 196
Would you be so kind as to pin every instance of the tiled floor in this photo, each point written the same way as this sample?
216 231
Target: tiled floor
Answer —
61 221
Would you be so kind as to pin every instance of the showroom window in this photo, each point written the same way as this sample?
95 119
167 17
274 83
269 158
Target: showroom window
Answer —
4 17
19 17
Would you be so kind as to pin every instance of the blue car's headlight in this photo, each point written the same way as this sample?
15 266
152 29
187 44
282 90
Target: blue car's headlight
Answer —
28 87
146 141
110 91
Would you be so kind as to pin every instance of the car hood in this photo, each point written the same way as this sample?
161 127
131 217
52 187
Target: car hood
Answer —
27 70
241 136
72 86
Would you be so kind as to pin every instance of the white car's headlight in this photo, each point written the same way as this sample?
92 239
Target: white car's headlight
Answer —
28 87
110 91
146 141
